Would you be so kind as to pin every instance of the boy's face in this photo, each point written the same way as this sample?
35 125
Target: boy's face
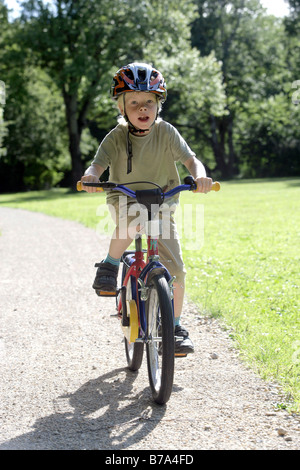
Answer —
141 109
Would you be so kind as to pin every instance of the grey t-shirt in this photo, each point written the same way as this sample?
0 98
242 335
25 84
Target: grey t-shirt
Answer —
154 156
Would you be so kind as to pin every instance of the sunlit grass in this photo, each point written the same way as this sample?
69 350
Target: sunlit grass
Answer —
248 273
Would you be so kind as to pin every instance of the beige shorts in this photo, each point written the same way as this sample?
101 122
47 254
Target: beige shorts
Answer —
128 215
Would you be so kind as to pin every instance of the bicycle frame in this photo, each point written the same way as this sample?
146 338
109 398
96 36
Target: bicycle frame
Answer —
139 270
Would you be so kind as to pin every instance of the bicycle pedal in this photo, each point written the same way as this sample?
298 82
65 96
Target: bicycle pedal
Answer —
180 354
103 293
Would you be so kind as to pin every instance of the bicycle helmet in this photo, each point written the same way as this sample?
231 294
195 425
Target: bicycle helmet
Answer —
139 77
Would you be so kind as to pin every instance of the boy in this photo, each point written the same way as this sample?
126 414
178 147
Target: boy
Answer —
144 147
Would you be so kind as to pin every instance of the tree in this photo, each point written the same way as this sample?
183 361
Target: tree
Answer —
269 138
80 44
292 27
36 154
3 125
3 129
195 91
251 48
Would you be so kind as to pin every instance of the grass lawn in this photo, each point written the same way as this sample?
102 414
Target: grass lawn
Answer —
246 272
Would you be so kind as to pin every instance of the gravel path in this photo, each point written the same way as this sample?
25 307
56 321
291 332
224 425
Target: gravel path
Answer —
64 381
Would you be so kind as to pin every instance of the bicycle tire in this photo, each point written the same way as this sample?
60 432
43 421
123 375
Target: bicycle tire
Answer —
134 351
160 346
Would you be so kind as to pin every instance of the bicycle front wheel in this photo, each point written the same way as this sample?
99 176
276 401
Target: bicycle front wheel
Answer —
160 335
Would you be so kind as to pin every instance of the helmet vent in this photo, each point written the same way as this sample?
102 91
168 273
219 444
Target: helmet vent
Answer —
129 74
142 74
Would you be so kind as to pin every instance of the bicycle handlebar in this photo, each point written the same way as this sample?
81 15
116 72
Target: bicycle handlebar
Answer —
190 185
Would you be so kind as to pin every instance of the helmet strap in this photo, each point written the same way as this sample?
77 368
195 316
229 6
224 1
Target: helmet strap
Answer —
133 130
129 153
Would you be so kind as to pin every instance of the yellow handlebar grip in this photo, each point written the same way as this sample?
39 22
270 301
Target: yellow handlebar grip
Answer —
216 186
80 188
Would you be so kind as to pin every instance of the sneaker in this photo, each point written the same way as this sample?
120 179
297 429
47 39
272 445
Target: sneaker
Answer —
106 277
183 343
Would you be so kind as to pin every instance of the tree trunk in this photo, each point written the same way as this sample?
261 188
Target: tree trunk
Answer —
232 160
217 142
74 132
221 130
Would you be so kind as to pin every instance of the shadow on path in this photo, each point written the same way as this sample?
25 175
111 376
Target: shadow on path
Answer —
104 413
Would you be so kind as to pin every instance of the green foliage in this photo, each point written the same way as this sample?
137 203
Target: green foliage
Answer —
195 91
258 67
229 67
270 137
3 126
35 147
80 44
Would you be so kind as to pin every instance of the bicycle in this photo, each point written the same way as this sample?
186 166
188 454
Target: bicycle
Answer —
145 299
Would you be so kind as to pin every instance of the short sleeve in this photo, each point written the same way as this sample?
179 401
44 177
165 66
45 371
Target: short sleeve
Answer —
105 151
180 149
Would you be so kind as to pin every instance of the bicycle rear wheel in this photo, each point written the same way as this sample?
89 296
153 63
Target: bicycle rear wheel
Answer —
134 351
160 346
